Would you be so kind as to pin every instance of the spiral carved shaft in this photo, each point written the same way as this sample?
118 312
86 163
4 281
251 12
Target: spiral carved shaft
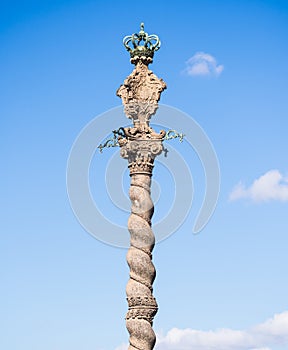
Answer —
142 304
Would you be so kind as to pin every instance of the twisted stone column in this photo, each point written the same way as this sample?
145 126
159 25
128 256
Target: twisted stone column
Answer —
140 144
142 304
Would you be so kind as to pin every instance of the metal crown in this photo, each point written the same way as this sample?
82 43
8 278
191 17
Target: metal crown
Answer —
141 46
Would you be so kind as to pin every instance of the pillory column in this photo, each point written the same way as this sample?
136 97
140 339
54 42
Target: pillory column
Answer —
140 144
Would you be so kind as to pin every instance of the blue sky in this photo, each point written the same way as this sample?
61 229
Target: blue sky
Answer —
61 63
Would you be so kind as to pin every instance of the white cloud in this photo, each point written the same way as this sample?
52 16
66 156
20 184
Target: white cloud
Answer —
203 64
270 186
275 328
273 332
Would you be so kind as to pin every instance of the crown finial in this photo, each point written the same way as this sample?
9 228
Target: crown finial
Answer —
143 46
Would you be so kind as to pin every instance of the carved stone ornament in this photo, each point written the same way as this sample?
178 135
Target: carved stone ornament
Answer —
142 88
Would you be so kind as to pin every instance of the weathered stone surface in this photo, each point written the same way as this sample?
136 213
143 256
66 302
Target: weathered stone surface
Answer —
144 87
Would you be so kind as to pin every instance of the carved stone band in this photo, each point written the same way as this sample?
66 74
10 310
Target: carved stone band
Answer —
144 313
144 301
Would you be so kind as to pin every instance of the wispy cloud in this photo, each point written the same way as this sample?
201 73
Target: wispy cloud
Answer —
270 186
203 64
268 334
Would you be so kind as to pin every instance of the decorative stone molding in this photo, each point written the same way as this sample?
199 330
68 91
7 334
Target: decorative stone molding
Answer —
140 154
146 301
142 314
